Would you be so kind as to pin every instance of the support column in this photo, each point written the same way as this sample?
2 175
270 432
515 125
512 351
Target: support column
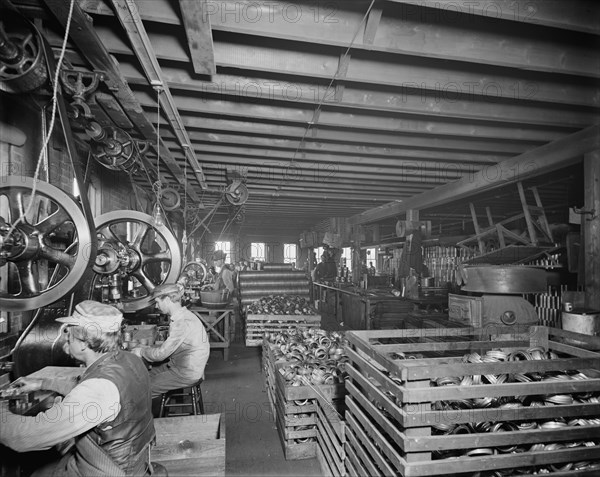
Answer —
356 261
591 228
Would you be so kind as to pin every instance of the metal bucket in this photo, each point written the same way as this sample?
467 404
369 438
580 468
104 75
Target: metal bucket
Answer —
582 321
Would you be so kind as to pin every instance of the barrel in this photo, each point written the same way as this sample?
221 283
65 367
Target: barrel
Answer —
215 298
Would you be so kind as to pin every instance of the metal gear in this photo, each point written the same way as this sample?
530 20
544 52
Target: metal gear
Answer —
140 256
47 253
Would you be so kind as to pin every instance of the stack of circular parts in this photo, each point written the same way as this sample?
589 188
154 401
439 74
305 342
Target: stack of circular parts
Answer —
495 425
256 284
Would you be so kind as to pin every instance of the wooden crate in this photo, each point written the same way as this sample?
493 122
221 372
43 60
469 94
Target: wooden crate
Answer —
391 414
331 437
191 445
295 408
257 325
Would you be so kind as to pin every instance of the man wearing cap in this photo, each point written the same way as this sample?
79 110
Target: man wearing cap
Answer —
105 419
225 276
185 351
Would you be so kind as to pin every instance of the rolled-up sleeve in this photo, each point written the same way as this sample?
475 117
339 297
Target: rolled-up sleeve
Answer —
177 333
88 405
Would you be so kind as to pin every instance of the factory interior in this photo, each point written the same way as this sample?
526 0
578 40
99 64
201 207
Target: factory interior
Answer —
367 230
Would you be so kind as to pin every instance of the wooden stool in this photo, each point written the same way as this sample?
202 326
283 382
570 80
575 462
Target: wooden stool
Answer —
195 406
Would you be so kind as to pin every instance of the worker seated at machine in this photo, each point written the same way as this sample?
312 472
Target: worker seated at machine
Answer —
113 439
182 357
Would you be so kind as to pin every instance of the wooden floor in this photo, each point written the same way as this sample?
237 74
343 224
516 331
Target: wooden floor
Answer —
236 388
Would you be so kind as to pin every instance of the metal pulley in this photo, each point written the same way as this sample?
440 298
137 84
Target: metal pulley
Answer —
47 252
113 148
170 199
236 193
134 256
22 66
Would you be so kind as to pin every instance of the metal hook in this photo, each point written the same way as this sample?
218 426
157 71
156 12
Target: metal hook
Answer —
592 213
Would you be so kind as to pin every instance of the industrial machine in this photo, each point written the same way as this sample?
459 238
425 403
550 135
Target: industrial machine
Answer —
499 301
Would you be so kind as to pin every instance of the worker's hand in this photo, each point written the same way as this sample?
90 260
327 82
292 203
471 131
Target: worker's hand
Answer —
137 351
21 386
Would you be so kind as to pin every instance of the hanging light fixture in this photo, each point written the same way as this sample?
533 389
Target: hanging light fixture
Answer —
158 218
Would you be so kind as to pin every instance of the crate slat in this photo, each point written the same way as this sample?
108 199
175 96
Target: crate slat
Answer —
392 418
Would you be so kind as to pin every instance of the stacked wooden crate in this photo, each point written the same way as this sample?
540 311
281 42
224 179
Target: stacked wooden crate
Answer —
257 325
460 408
331 437
295 404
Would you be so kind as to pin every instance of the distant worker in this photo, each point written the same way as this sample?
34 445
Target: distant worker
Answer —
372 269
324 271
225 275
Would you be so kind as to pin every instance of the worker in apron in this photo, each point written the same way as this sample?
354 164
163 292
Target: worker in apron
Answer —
103 425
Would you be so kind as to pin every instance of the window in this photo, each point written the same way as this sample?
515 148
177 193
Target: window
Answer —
372 257
226 247
318 253
290 253
257 251
347 255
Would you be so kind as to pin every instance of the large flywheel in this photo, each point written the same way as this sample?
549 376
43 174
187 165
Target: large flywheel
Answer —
134 256
47 253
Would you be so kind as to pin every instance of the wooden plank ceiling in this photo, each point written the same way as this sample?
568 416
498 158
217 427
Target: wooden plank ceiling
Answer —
332 108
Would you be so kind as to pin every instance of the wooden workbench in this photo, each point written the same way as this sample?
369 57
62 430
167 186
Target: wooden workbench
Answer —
217 322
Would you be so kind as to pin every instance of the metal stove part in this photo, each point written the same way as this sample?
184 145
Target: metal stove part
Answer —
134 256
46 255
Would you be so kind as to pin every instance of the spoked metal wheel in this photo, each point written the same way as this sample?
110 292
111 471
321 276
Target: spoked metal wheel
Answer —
48 252
195 271
134 256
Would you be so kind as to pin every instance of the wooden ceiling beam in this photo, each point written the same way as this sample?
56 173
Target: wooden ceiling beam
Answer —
215 127
304 76
200 42
480 40
399 157
259 145
492 102
578 17
394 120
547 158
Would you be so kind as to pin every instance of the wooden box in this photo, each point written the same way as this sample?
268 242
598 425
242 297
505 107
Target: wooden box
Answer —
331 437
295 407
258 325
191 445
422 416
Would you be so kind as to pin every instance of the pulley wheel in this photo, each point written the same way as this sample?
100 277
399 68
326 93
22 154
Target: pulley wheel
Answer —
47 254
195 270
170 199
149 255
237 196
26 71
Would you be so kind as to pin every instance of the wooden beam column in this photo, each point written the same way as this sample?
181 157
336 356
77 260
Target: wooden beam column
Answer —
591 228
356 256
